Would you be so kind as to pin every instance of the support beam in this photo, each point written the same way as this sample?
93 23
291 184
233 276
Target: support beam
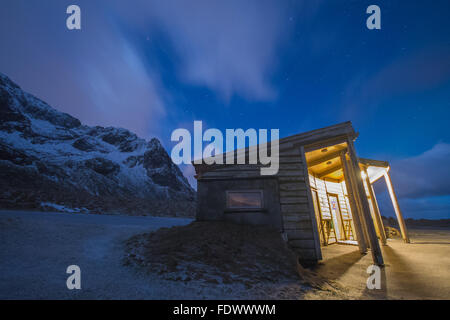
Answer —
358 203
376 211
329 171
325 158
351 197
398 212
373 240
377 177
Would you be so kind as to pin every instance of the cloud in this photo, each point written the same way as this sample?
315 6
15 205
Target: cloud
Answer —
227 46
95 74
122 91
100 75
425 175
415 73
421 183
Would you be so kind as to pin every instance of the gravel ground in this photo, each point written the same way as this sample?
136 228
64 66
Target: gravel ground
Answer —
37 247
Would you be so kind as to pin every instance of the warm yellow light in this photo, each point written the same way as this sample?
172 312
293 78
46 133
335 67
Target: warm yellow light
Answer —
363 175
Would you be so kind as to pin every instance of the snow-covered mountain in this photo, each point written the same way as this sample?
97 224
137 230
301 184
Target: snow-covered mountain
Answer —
48 159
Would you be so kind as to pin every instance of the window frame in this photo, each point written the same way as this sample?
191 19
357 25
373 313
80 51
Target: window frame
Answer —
228 192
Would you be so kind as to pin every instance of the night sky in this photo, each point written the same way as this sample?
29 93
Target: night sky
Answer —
154 66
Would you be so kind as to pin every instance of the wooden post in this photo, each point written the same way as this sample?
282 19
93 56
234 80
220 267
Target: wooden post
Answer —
358 203
398 212
376 211
377 255
352 200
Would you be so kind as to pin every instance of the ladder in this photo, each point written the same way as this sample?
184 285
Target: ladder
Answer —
348 231
329 232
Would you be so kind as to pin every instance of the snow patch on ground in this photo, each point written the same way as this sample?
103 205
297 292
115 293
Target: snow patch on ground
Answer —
48 206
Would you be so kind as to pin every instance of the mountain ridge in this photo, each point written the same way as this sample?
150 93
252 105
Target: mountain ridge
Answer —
49 159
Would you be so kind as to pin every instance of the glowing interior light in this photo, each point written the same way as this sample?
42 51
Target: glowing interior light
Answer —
363 175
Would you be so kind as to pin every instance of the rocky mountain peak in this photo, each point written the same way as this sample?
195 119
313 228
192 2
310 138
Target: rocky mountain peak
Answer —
47 156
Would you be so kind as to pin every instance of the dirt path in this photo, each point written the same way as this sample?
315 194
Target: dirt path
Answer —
37 247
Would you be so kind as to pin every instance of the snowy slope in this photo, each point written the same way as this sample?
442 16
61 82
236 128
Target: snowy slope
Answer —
49 159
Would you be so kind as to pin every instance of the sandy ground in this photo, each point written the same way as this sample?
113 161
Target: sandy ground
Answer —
37 247
419 270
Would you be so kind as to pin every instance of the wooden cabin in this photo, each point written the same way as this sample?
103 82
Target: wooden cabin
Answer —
321 195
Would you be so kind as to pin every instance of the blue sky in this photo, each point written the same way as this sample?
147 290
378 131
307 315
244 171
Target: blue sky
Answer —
154 66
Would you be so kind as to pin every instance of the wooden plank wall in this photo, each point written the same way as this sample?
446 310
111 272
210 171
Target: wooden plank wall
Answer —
348 211
319 185
296 208
336 188
236 171
324 187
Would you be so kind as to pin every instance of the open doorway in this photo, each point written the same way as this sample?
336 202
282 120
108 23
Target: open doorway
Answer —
329 195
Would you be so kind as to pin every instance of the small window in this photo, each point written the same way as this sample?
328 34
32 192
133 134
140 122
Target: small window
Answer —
252 199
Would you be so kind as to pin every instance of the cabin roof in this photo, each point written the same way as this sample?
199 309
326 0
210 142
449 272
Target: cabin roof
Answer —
324 161
374 163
